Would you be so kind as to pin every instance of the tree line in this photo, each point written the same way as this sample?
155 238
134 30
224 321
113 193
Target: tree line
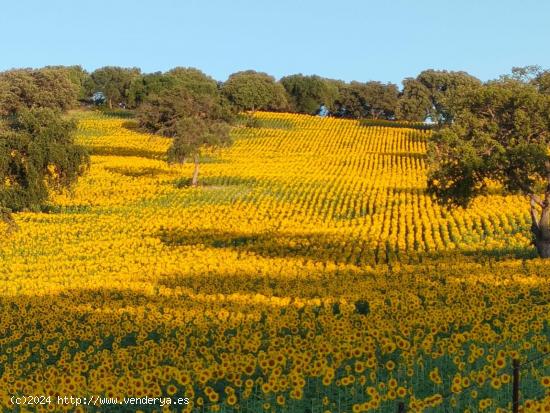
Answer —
63 87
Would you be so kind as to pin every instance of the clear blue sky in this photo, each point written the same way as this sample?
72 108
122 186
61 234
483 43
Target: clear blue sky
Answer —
361 40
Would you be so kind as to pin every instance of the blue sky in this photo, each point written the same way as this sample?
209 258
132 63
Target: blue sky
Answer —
349 40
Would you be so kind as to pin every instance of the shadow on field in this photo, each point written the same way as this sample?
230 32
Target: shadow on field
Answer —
481 255
316 247
227 187
304 286
421 189
123 151
323 247
228 180
132 125
207 159
135 173
455 257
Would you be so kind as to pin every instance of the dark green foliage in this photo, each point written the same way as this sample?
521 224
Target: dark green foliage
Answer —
533 75
146 85
525 74
250 90
372 100
77 76
193 133
37 152
194 80
414 101
30 88
160 113
542 82
194 121
349 103
500 132
442 87
308 93
114 82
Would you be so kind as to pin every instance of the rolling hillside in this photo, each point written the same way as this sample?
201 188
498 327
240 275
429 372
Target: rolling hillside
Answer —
308 272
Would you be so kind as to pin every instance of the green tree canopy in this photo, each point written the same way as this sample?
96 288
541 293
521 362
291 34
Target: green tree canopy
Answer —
414 101
373 100
308 93
542 82
193 121
31 88
78 77
443 86
194 80
500 133
114 82
146 85
349 103
37 152
250 90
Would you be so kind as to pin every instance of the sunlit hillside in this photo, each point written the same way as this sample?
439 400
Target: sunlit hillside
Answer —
308 272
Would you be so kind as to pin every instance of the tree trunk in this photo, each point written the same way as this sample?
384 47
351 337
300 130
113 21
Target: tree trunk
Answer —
543 248
540 227
195 180
110 104
7 218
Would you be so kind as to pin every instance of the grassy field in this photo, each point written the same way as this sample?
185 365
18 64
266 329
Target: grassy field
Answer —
309 272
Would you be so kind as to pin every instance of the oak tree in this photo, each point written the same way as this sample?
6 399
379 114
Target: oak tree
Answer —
114 82
308 93
251 90
37 154
373 100
442 86
194 122
414 101
33 88
500 134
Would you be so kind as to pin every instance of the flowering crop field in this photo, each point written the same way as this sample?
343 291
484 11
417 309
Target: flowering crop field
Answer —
309 272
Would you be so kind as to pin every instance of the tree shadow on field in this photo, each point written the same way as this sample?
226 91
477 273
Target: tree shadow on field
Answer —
136 173
228 180
132 125
307 286
421 190
325 247
271 244
226 186
482 255
124 151
209 158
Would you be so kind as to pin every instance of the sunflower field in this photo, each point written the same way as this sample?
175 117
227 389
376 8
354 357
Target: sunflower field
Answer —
308 272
